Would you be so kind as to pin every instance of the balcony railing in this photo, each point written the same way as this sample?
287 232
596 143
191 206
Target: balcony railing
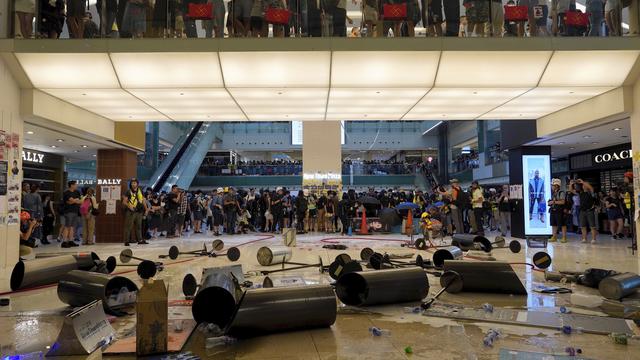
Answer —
300 18
296 169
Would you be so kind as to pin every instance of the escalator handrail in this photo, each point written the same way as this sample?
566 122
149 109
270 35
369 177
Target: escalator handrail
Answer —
176 159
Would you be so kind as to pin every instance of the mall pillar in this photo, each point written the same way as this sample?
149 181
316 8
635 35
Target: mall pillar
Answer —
516 177
634 122
115 167
322 155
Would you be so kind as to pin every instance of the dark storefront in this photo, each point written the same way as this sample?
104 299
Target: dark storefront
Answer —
44 169
603 168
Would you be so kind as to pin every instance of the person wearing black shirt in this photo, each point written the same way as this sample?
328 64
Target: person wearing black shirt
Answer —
504 209
70 210
320 205
27 226
587 214
558 211
277 210
172 204
302 203
614 205
231 207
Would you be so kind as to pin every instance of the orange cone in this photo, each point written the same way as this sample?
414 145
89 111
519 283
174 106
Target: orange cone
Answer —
408 228
364 229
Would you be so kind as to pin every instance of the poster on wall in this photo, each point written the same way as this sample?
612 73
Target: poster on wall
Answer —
536 173
322 183
3 145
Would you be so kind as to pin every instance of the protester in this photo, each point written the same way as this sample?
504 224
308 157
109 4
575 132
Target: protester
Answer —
70 211
135 208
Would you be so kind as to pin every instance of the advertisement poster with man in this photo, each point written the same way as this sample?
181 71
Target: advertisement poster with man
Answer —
536 172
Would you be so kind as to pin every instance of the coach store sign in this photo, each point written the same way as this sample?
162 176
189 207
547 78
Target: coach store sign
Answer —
612 156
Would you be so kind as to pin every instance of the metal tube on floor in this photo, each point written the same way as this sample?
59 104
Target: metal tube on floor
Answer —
485 276
42 271
618 286
447 253
382 286
216 300
471 242
271 255
79 288
264 311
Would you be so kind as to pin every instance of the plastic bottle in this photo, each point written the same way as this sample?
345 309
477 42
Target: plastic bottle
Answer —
220 340
375 331
585 300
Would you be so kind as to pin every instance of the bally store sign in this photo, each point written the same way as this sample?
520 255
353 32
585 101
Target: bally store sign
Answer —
612 156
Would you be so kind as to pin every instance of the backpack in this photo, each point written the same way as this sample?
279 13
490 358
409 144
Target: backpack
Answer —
85 207
463 201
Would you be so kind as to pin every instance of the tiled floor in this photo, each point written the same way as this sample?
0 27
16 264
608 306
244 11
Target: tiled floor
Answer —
33 319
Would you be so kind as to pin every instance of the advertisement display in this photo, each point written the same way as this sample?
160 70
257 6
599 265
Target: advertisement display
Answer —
536 173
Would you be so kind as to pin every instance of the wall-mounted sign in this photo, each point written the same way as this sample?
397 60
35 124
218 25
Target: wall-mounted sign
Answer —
32 156
612 156
321 176
109 181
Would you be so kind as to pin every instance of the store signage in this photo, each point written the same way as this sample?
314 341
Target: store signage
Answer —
32 156
109 181
85 182
613 156
321 176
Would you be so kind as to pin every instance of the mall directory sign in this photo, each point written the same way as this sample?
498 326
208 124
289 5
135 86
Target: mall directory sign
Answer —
536 173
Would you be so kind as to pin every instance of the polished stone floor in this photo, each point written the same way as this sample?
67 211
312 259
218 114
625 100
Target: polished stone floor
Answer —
33 319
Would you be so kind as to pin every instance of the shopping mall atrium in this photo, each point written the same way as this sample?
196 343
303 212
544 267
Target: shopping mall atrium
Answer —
364 179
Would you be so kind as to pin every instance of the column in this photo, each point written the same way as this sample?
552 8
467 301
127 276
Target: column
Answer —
115 167
634 122
321 156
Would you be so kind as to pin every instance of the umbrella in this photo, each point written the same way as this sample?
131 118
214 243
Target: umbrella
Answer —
438 204
389 217
407 206
368 200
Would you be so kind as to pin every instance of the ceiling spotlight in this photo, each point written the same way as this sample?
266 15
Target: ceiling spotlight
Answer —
53 146
130 117
561 143
30 132
616 129
76 151
181 94
475 93
84 94
59 140
595 142
279 92
571 148
94 155
587 136
570 92
84 146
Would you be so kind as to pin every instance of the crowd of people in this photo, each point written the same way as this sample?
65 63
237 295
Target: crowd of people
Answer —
149 215
253 18
212 167
464 162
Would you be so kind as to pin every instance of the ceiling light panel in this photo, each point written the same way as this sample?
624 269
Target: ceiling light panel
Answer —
276 69
384 69
167 70
589 68
383 104
461 104
69 71
114 104
491 69
192 104
542 101
282 104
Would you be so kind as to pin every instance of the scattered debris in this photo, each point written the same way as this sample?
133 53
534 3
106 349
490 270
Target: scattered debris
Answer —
571 351
375 331
412 310
625 339
5 302
564 310
492 335
487 307
408 350
335 247
220 340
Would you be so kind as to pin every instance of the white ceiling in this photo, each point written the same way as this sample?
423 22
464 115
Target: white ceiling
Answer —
73 147
583 139
327 85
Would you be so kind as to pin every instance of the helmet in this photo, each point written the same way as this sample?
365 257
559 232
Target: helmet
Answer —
556 181
25 216
220 190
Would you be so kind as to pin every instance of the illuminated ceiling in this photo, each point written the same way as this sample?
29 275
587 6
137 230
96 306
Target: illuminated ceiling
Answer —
327 85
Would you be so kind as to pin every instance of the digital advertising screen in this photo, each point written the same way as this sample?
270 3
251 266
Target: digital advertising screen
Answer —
536 176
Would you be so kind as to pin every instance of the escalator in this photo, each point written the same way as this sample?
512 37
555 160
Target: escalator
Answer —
183 161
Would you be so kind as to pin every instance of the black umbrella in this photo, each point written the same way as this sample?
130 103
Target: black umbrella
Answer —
368 200
389 217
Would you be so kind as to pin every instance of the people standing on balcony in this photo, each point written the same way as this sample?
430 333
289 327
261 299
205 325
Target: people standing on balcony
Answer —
91 29
370 17
107 15
495 25
76 10
451 17
558 10
51 18
242 17
25 11
257 20
278 29
134 21
613 15
477 14
432 17
595 9
164 18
